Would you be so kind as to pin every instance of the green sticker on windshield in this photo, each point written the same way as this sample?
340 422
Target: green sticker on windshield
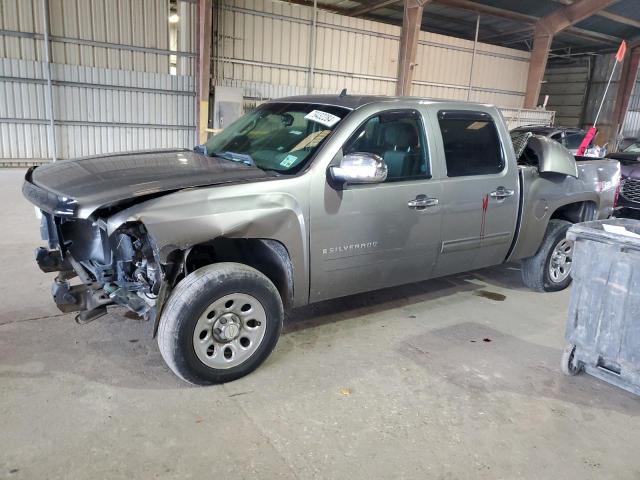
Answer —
288 161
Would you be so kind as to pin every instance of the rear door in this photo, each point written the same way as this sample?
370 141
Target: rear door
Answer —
480 190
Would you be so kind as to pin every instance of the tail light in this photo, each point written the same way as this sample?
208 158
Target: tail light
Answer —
616 197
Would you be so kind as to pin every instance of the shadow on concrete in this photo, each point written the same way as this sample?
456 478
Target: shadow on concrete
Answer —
482 361
345 308
119 350
507 276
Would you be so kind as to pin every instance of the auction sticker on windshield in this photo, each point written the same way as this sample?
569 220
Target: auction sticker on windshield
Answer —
288 161
323 118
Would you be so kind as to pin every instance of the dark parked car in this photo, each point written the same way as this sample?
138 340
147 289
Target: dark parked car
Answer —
627 142
570 137
628 204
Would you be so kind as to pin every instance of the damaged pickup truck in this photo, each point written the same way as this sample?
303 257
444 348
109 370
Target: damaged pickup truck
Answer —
302 200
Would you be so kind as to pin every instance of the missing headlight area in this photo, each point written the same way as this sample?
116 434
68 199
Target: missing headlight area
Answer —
117 269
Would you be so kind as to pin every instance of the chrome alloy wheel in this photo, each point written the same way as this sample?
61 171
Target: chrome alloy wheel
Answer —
560 263
229 331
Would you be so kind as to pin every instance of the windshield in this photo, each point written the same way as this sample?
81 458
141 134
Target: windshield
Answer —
633 148
277 136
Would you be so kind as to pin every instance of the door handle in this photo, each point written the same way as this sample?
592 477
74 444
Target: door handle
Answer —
502 192
421 202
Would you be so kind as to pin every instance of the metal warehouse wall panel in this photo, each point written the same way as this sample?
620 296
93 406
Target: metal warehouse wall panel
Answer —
112 91
110 73
631 126
601 71
269 42
566 83
97 110
96 33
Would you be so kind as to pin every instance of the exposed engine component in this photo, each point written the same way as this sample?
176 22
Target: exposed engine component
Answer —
118 269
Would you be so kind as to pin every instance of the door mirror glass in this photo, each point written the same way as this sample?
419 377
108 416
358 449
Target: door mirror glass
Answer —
358 168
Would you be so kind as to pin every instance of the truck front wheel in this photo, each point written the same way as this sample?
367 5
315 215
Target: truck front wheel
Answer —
549 270
220 323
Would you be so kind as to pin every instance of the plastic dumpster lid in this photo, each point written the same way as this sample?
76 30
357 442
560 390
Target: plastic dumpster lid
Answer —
595 230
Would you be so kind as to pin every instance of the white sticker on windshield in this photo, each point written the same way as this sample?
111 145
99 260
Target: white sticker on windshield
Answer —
323 118
288 161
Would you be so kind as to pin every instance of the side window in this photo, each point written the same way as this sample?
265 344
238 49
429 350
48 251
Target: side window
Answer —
573 140
399 138
471 143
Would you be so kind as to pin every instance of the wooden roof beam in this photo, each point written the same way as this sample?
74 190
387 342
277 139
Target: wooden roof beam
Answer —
546 28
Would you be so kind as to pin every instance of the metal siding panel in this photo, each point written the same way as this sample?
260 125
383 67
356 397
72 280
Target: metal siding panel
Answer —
357 54
94 101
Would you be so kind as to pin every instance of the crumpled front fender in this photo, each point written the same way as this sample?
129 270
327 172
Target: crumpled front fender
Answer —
186 218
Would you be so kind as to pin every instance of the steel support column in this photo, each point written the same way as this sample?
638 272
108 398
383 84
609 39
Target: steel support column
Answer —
537 65
205 13
411 22
545 29
473 58
312 48
51 131
623 95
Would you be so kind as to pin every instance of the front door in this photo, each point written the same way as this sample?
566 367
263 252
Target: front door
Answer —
364 237
480 194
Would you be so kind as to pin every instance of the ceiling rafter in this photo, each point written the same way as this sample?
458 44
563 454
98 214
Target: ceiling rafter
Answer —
469 5
608 15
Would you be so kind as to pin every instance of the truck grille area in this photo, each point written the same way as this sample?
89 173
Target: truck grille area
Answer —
631 189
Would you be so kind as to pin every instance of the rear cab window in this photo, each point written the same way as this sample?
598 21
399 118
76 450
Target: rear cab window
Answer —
573 140
471 143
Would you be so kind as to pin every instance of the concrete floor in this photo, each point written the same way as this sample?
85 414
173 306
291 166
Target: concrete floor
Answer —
433 380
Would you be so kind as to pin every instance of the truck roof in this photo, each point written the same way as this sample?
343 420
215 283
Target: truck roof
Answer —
355 101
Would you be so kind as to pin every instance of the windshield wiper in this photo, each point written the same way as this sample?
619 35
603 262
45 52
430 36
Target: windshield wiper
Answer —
236 157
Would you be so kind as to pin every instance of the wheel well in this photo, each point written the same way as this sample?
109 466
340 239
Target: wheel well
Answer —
267 256
576 212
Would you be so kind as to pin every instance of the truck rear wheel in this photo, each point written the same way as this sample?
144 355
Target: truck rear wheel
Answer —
220 323
549 270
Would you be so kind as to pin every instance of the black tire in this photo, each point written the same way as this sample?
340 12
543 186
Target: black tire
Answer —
188 303
568 364
535 270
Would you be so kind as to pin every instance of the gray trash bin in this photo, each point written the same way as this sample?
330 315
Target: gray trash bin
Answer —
603 328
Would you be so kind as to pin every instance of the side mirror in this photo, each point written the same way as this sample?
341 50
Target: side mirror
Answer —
359 168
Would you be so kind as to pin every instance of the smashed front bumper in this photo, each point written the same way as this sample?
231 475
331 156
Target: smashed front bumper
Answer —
111 270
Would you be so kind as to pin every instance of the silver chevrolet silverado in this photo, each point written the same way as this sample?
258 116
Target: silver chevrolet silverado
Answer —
306 199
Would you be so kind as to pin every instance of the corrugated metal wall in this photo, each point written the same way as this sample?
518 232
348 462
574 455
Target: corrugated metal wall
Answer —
112 91
601 71
631 126
566 82
264 46
111 85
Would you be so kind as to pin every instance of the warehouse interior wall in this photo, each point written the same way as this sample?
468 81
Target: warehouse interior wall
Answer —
263 46
576 88
566 82
631 125
123 77
112 82
600 73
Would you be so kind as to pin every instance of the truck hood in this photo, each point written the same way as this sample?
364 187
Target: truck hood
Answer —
81 186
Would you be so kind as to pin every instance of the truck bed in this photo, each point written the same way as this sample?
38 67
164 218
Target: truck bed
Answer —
592 197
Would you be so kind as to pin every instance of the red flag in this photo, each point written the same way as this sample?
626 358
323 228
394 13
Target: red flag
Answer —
621 51
591 133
